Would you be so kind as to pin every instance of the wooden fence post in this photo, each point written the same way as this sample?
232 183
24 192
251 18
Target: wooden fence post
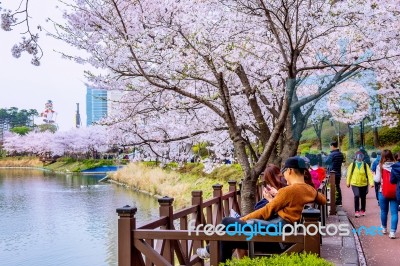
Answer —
218 212
166 209
197 200
126 223
217 192
332 193
232 185
312 237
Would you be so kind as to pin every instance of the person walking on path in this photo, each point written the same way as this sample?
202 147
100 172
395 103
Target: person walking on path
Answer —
335 161
378 249
395 176
384 168
358 176
373 168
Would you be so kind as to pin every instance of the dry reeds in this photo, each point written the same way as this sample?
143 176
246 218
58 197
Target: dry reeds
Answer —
156 181
20 162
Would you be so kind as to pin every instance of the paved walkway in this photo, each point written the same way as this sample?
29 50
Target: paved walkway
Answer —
341 250
378 250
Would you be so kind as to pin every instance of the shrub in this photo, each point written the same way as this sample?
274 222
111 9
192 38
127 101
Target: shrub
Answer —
304 148
389 136
396 148
300 259
150 163
227 172
66 159
314 151
193 169
171 166
200 149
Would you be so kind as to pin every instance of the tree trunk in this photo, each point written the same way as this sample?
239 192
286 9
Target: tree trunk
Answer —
376 137
275 158
248 194
293 135
290 148
318 131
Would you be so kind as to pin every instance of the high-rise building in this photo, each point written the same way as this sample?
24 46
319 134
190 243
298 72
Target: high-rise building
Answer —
96 105
77 117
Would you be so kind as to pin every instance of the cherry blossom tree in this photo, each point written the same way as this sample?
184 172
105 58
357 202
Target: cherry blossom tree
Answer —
76 141
317 118
19 19
229 72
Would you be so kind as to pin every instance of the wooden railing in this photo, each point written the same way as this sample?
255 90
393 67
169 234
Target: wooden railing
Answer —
167 240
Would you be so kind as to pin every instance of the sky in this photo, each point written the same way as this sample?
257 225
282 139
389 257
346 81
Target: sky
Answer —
26 86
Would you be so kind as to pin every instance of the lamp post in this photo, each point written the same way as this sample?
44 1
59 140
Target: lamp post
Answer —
362 131
376 110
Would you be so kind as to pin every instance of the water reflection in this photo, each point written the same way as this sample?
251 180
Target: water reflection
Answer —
49 219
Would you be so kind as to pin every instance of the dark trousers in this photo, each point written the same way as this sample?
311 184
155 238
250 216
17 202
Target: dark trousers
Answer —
359 193
338 200
227 247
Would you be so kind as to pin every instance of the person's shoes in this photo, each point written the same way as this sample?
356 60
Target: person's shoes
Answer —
203 253
392 235
384 231
362 213
234 214
357 214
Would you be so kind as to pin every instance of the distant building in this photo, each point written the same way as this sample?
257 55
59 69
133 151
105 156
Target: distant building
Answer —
96 105
77 117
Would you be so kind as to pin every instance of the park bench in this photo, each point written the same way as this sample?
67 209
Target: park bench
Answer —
167 240
311 212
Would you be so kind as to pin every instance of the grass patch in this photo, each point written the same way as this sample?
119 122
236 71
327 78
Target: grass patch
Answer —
299 259
67 164
175 184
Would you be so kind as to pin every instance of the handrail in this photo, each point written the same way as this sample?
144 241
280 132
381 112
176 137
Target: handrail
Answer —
155 223
160 243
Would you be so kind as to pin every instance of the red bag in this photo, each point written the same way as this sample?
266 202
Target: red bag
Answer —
388 189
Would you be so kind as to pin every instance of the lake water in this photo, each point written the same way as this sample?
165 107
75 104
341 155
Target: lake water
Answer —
49 219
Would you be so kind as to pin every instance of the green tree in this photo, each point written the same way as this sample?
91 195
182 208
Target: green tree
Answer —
12 117
21 130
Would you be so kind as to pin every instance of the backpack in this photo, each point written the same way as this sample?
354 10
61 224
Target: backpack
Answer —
365 170
388 189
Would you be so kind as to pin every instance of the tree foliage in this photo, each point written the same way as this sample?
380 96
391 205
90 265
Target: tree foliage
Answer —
21 130
12 117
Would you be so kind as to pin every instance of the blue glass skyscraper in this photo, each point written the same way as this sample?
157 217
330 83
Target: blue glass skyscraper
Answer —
96 105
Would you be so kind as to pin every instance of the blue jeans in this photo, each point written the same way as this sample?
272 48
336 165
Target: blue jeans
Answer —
384 203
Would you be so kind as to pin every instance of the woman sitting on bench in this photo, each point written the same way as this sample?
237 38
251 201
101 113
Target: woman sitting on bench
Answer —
286 207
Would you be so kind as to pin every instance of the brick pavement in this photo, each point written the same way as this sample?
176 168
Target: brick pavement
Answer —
378 250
